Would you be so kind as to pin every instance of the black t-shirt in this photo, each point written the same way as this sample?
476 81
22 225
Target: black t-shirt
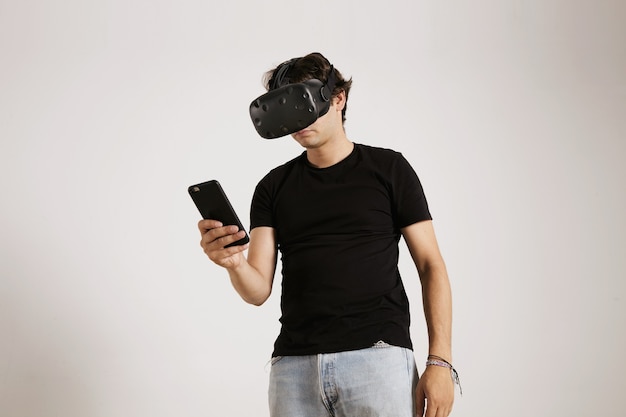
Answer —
338 230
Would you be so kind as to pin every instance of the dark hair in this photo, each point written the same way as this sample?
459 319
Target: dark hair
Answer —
313 65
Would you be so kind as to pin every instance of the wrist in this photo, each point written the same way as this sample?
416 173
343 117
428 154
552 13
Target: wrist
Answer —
443 356
435 361
438 363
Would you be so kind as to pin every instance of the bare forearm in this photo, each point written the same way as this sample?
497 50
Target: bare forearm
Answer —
250 283
437 299
435 390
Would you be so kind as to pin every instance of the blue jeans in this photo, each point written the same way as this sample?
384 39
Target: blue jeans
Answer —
374 382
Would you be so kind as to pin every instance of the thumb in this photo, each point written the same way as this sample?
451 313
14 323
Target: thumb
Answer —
420 400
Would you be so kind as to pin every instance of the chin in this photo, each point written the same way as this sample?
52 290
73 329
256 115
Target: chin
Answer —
306 139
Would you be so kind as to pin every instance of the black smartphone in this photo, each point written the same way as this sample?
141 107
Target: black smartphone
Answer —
211 201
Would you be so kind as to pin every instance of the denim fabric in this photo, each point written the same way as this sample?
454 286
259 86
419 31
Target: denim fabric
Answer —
375 382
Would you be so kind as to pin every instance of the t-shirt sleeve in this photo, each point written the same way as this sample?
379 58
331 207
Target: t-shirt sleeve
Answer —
409 202
261 212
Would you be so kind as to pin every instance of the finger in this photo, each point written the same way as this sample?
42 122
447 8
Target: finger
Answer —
208 224
225 256
217 239
443 411
432 407
419 408
211 235
234 236
431 410
420 401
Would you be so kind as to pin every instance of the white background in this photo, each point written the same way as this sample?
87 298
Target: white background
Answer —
513 113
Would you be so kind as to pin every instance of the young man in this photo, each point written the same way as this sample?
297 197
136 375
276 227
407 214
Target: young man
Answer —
336 214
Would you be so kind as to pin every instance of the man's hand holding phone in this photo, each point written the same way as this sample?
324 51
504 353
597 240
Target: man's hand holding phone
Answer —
216 239
223 234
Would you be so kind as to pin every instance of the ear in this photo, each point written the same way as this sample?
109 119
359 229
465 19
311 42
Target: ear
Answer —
339 101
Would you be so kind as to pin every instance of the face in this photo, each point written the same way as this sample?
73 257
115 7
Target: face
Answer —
325 128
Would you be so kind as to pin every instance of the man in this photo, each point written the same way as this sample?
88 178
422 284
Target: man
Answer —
336 214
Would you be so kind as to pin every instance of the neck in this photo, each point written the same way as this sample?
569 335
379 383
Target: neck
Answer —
330 153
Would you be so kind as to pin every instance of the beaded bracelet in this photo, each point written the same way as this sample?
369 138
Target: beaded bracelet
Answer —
438 361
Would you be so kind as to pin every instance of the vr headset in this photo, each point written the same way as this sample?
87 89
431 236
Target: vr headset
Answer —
291 107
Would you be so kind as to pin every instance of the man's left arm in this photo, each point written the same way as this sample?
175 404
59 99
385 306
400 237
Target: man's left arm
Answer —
435 389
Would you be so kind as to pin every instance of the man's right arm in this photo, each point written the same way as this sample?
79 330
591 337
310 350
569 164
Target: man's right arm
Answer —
253 277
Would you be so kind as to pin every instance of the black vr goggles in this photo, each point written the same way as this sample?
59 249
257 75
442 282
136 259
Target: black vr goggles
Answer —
290 108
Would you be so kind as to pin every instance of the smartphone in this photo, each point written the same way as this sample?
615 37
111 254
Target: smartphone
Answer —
212 203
